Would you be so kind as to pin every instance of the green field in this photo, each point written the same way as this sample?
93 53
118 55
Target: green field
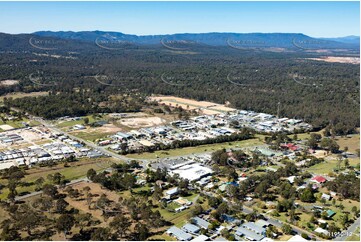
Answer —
90 135
328 166
196 150
18 124
304 136
66 124
352 143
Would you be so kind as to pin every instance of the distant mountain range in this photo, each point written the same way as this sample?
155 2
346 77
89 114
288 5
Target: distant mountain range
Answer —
89 39
348 39
186 40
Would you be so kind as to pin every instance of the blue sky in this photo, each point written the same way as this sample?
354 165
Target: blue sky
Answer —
317 19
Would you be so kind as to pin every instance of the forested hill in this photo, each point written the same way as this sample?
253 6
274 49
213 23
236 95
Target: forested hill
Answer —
279 40
89 73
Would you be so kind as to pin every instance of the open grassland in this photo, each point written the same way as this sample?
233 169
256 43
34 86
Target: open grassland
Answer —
90 135
19 124
74 171
67 124
329 165
352 142
197 149
21 94
304 136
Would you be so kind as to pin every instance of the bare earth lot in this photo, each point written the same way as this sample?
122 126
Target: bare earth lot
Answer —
332 59
189 104
141 122
9 82
6 127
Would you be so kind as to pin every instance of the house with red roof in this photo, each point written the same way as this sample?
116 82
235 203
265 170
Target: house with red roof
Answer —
319 179
290 146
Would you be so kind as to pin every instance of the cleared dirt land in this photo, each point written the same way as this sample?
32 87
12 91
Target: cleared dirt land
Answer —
22 94
9 82
189 104
141 122
332 59
96 133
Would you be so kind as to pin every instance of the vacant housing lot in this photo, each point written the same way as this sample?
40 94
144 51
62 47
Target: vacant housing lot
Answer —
22 94
140 122
339 59
189 104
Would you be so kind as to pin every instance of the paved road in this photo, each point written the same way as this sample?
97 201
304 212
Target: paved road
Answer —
351 229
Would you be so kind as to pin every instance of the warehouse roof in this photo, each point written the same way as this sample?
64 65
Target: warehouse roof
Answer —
192 172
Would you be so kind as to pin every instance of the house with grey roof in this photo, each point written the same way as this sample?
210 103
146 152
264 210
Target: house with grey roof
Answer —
248 234
179 234
262 223
191 228
200 222
253 227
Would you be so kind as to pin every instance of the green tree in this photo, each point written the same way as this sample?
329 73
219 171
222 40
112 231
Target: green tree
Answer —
91 174
29 220
120 225
64 223
101 234
83 220
307 195
86 120
344 220
287 229
50 190
39 183
141 232
355 210
61 205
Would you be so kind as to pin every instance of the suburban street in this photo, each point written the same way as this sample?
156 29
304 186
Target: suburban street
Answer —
351 229
278 223
90 144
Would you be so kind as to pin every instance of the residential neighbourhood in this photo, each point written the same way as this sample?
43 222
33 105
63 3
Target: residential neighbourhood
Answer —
223 189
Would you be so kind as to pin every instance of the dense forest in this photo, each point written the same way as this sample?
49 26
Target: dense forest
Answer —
81 78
